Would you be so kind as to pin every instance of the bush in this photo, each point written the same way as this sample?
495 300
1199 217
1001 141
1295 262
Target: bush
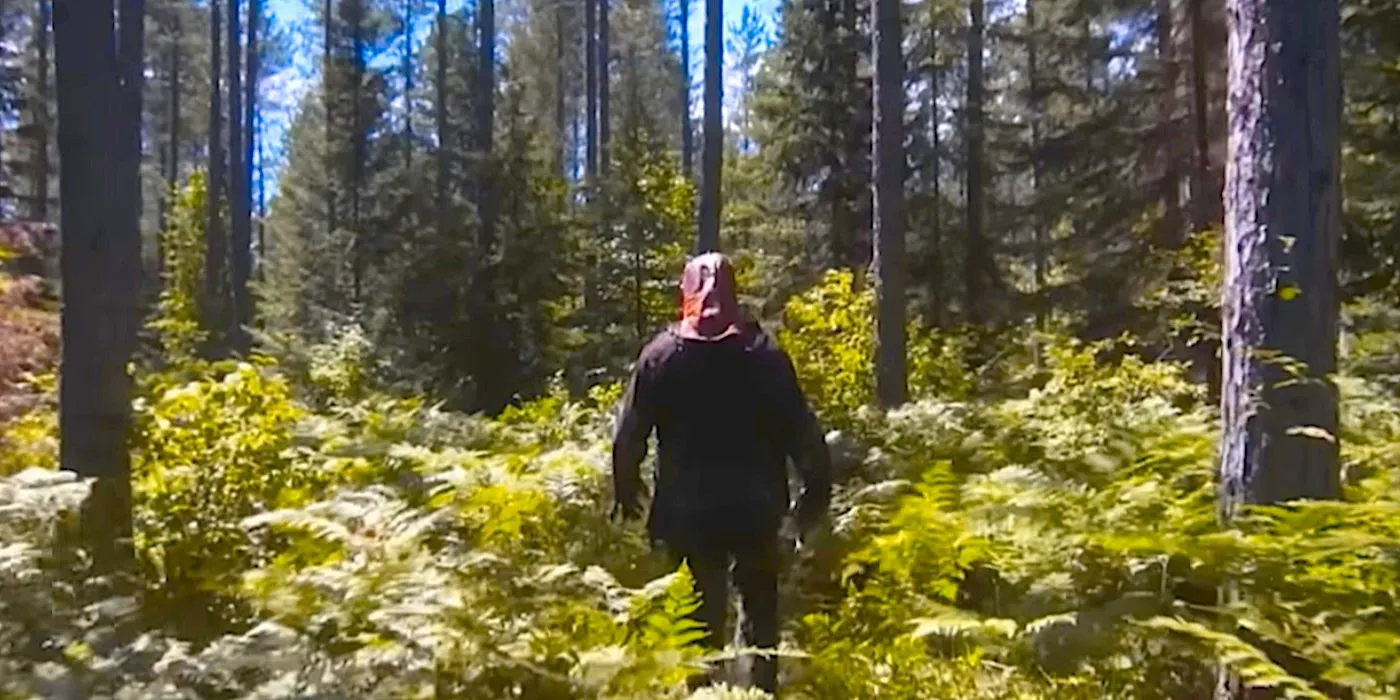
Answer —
829 333
208 453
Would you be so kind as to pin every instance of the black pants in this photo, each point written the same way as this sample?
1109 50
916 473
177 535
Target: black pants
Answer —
753 563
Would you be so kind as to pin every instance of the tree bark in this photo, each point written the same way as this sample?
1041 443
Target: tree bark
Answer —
1207 207
1040 262
408 10
561 118
327 94
687 130
100 260
713 138
891 372
590 70
936 266
604 87
251 142
1173 225
215 301
440 116
240 241
1283 206
358 148
42 171
172 164
976 257
494 377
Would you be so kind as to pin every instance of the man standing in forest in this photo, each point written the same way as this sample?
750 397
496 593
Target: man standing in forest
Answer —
728 412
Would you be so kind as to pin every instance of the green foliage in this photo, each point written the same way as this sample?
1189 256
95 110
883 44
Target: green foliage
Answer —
1067 543
28 355
177 321
829 333
207 453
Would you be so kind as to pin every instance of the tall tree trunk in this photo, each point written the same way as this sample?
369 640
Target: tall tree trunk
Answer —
687 129
590 71
43 134
1207 206
357 156
1283 207
561 117
494 375
891 373
100 262
1173 231
251 142
1038 243
1282 222
327 98
935 277
215 300
976 256
710 158
408 11
604 89
440 117
172 173
241 239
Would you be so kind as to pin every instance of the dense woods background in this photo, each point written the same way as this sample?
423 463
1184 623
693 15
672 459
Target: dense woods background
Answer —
362 448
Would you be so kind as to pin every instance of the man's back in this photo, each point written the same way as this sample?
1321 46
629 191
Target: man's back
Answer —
725 422
728 412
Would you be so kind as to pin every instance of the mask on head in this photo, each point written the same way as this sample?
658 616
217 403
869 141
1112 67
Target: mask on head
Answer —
709 307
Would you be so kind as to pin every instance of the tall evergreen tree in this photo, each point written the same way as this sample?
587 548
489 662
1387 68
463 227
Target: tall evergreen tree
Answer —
891 373
712 143
1283 204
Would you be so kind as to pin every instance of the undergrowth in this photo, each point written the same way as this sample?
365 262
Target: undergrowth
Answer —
305 536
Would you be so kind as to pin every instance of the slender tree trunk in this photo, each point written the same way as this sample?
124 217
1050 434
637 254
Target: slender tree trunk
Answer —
687 129
241 239
561 119
494 376
251 142
976 256
1207 207
1038 242
711 163
172 174
215 300
590 70
327 98
262 205
100 263
1173 232
440 116
43 134
357 159
891 373
604 87
936 267
408 11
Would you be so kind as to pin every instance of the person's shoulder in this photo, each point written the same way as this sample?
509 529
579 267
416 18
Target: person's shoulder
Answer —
758 339
659 349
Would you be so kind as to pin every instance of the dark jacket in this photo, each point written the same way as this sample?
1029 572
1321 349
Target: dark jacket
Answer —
728 415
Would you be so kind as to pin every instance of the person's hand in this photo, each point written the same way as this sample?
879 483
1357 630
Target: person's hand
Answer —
626 509
810 514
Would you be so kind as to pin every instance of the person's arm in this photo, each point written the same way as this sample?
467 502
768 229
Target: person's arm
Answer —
629 449
806 446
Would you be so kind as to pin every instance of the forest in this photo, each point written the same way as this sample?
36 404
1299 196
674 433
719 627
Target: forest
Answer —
1097 301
